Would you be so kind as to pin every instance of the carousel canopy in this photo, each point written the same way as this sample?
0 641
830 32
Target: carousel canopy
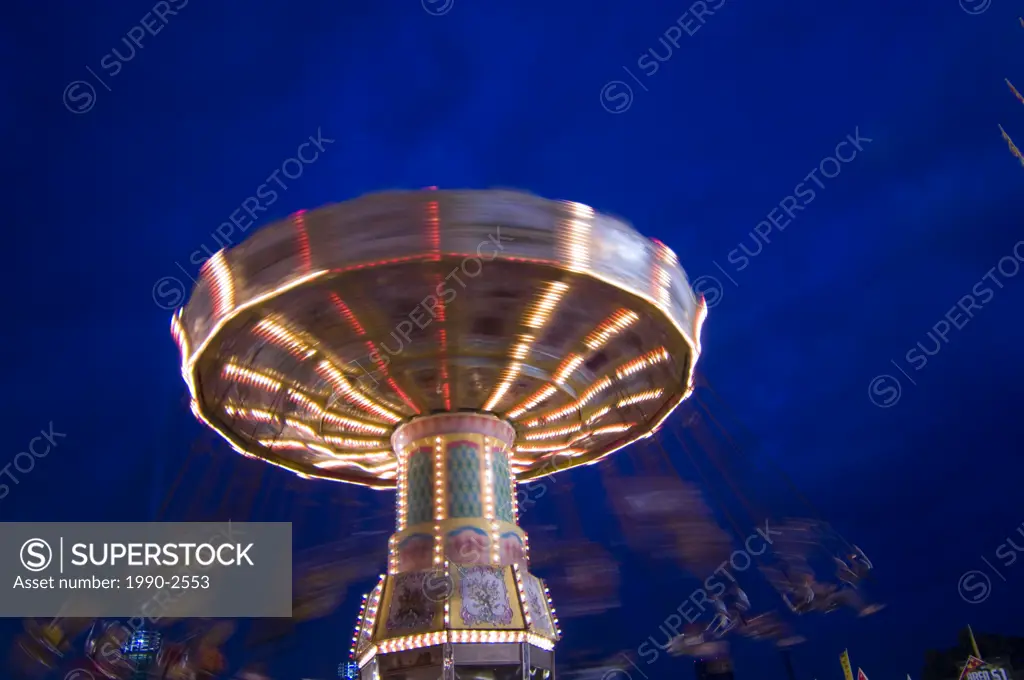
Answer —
309 343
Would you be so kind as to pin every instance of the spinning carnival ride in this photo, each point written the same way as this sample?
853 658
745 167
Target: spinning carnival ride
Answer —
446 344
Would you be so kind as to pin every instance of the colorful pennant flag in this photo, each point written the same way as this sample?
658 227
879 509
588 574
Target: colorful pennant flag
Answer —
844 659
973 664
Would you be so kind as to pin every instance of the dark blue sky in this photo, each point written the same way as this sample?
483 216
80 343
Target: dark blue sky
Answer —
110 201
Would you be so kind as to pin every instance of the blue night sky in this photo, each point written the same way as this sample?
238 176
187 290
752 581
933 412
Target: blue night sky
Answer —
109 202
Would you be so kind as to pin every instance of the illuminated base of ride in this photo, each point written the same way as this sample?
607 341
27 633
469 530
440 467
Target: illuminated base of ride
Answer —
458 599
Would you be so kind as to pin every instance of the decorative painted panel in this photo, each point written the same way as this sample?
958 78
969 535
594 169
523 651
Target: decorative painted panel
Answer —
420 484
485 597
512 549
537 602
477 598
415 552
502 487
467 545
464 480
410 609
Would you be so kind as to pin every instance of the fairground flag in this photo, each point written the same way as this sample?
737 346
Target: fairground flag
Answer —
844 659
973 664
860 675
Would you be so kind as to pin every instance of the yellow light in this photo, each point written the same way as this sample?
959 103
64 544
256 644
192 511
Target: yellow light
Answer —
541 311
510 374
598 414
639 398
277 332
181 338
650 359
661 277
538 397
553 434
341 383
537 317
188 367
341 421
249 414
251 377
522 348
301 427
366 456
607 429
372 469
272 383
698 324
221 284
571 363
574 238
585 398
349 443
286 444
610 327
536 448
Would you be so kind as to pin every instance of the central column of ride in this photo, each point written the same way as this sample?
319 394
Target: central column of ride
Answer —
456 494
458 597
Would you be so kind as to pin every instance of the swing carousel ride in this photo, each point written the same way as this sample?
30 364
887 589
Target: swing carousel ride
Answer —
447 344
461 347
